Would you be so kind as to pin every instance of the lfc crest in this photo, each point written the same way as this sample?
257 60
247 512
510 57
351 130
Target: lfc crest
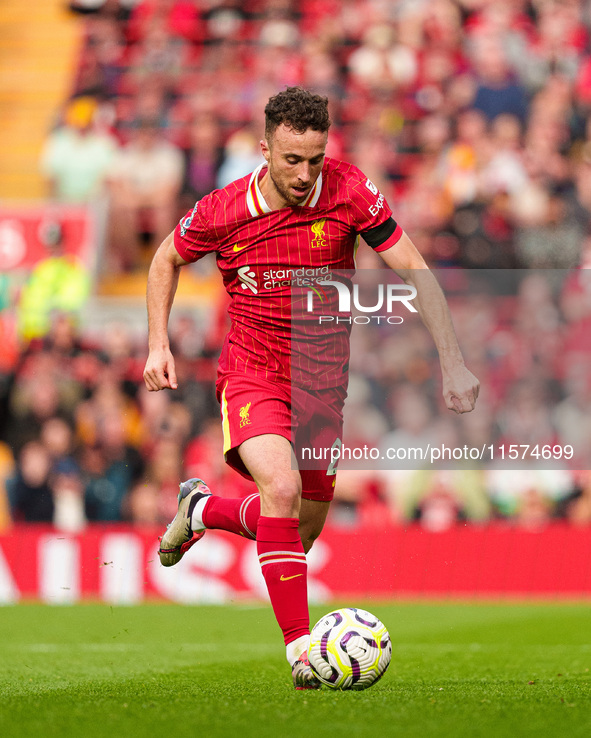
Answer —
318 240
244 415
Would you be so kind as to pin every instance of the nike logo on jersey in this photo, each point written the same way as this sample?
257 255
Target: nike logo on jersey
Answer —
239 248
283 578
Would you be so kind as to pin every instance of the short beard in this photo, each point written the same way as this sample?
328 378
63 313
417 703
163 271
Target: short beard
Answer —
289 198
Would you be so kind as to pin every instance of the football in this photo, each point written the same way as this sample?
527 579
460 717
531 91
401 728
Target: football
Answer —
349 649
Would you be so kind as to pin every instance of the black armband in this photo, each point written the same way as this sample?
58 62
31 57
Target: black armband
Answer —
375 237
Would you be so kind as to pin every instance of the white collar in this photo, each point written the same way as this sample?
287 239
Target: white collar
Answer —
256 203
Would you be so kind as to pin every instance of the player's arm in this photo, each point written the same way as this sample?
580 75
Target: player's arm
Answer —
163 277
460 386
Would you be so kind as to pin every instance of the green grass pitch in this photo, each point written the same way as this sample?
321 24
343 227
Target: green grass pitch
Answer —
458 669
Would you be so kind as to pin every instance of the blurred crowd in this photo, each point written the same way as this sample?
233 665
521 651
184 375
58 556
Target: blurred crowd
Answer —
82 440
526 335
472 116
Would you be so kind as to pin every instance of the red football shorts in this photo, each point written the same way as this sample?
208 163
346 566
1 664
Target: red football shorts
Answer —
311 420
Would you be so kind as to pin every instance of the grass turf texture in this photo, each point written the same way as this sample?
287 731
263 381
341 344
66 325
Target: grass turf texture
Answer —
457 670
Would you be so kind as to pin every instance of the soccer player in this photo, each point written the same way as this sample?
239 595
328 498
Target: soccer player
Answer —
298 209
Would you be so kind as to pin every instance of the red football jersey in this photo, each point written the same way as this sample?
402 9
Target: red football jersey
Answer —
269 259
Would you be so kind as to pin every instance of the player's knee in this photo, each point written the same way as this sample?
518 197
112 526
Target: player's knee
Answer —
281 496
287 489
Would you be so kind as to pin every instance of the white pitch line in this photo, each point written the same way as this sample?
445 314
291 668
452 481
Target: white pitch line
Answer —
122 647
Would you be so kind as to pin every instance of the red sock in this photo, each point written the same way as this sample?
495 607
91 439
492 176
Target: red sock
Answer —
283 563
236 516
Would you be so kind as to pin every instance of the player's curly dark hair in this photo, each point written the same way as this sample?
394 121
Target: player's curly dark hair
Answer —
298 109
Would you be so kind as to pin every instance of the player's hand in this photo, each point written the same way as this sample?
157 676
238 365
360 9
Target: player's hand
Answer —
460 388
159 372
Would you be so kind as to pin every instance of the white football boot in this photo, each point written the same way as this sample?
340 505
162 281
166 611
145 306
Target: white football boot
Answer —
302 674
179 535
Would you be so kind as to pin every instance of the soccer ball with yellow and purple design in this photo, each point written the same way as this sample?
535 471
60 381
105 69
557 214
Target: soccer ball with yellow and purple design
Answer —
349 649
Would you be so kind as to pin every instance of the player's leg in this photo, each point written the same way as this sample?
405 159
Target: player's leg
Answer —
281 553
269 459
234 515
200 510
250 407
312 518
241 516
319 429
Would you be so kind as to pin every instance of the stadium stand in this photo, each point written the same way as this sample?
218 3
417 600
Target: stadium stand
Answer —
35 81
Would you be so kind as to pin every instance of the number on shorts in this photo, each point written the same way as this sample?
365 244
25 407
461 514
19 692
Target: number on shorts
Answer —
335 454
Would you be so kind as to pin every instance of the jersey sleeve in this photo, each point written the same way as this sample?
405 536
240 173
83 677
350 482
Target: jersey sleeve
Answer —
371 214
193 236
